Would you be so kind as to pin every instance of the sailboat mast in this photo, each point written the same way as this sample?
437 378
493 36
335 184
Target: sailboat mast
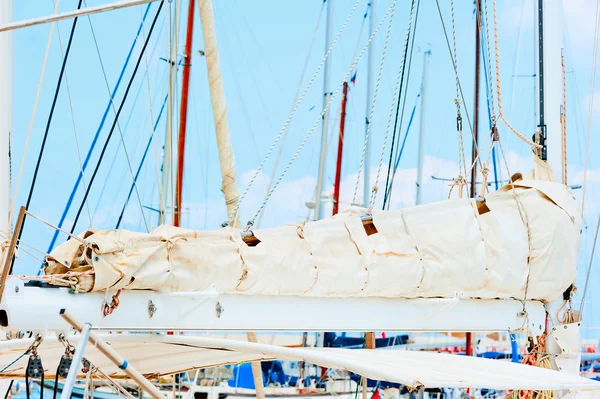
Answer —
185 86
473 188
6 88
541 133
370 61
168 146
340 152
319 209
419 198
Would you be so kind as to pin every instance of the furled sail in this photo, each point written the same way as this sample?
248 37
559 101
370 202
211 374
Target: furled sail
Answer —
522 242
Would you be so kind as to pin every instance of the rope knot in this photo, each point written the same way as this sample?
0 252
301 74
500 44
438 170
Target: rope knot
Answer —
300 229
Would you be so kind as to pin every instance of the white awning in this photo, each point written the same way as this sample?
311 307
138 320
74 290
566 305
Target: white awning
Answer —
155 355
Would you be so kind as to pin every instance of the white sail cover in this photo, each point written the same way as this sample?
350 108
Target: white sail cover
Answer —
522 243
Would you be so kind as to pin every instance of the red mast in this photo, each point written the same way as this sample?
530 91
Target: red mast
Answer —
187 56
338 167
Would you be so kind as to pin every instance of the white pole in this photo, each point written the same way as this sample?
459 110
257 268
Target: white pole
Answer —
74 369
370 61
422 127
6 100
552 35
217 97
319 209
9 25
553 83
171 32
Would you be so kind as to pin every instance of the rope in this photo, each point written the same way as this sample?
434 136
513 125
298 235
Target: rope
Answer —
304 68
289 119
388 189
461 145
590 106
399 86
55 227
73 121
375 189
97 135
318 120
139 169
110 133
52 108
498 85
114 303
14 361
33 113
373 105
118 125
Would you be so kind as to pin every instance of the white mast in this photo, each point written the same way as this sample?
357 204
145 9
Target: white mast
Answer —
319 209
6 88
552 83
366 167
422 126
550 70
172 33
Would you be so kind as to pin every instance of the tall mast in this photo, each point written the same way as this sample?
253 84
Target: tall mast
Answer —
326 96
185 86
370 60
473 188
172 33
6 99
340 152
419 198
550 78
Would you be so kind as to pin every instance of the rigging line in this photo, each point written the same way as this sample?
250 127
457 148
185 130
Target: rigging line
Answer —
587 278
498 86
87 192
118 126
372 113
96 136
462 95
126 126
397 162
318 120
375 188
296 106
491 117
590 106
137 173
410 58
109 174
150 104
33 114
87 204
398 92
283 139
52 108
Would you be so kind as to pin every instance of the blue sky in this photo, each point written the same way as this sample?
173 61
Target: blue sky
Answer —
263 48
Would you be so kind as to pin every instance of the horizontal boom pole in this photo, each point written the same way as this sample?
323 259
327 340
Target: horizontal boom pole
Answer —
72 14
